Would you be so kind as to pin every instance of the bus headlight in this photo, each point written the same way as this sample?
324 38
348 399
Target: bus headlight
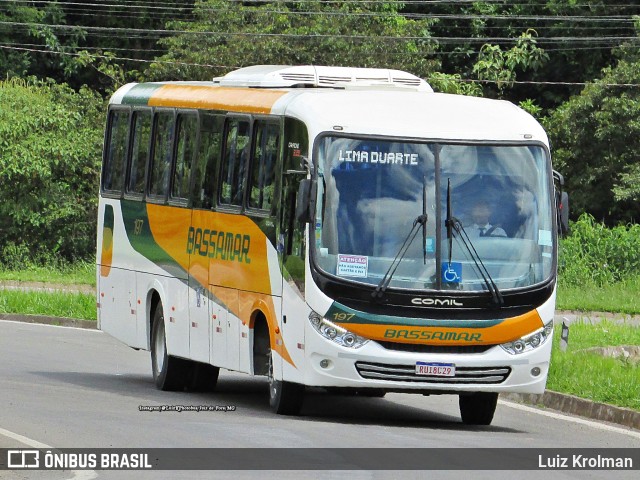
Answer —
529 342
336 334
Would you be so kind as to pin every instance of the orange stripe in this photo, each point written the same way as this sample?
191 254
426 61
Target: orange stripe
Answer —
507 331
107 252
225 279
247 100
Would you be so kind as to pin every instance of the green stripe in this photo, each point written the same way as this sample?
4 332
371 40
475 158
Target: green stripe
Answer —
136 224
372 319
140 94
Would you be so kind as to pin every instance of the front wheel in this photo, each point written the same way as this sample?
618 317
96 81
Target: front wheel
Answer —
285 398
478 408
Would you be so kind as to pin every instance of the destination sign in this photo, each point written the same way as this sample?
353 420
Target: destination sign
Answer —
388 158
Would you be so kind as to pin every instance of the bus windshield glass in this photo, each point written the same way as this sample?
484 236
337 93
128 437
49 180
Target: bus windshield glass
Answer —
372 191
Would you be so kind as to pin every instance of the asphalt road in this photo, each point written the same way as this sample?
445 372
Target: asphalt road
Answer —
73 388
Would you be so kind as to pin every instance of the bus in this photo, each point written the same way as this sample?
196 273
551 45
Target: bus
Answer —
315 225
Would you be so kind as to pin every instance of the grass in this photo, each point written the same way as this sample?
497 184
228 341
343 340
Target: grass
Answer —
55 304
77 274
592 376
618 297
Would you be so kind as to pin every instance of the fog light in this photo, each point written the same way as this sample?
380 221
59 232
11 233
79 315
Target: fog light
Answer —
535 371
324 363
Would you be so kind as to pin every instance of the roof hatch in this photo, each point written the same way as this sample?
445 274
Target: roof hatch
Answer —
282 76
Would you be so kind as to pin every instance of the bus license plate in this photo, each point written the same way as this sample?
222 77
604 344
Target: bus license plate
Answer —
436 369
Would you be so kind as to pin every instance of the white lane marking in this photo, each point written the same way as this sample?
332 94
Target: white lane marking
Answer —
53 326
568 418
77 474
23 439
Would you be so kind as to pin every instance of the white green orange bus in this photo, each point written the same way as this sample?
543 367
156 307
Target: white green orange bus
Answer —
315 225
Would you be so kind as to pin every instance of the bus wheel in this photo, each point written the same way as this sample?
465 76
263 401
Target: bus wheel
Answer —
169 372
478 408
285 398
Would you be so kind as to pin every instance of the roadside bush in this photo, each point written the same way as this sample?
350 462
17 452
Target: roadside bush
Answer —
596 255
50 148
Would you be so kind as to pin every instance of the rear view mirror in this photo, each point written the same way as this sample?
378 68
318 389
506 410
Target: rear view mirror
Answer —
562 204
563 213
306 201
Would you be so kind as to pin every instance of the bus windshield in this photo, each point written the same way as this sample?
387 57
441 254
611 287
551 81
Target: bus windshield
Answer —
371 191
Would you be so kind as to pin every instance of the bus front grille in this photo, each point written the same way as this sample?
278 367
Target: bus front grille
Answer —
407 373
419 348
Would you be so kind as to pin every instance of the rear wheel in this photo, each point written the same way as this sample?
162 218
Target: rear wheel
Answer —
285 398
478 408
169 373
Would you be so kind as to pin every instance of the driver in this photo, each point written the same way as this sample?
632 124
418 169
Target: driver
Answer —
481 226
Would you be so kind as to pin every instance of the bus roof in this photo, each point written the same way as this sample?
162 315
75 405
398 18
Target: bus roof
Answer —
395 112
386 110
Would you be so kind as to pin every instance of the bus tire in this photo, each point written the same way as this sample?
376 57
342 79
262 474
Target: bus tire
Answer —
478 408
169 373
285 398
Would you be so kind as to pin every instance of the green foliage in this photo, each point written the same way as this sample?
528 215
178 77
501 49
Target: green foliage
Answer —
53 304
227 34
51 271
596 139
50 144
589 375
618 297
453 83
501 67
531 107
594 255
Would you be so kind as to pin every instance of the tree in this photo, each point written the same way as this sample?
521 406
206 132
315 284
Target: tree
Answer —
596 139
578 37
227 35
501 66
50 144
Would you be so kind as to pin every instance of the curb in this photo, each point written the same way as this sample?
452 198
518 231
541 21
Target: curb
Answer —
561 402
580 407
43 319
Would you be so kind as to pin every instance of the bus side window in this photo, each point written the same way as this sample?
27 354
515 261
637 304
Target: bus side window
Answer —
211 126
116 151
234 162
139 151
262 176
161 159
187 131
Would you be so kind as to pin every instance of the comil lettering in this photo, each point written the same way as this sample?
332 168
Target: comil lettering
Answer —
388 158
436 302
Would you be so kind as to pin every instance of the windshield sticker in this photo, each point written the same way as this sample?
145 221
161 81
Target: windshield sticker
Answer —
452 272
544 238
430 245
353 266
362 156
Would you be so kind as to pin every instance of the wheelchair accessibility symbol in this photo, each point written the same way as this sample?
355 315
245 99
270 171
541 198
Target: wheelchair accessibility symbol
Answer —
452 272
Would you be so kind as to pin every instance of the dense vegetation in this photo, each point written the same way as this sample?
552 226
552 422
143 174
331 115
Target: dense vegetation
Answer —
574 65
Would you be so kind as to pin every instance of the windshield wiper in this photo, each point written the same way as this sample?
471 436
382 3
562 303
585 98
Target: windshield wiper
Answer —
421 220
424 214
453 224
